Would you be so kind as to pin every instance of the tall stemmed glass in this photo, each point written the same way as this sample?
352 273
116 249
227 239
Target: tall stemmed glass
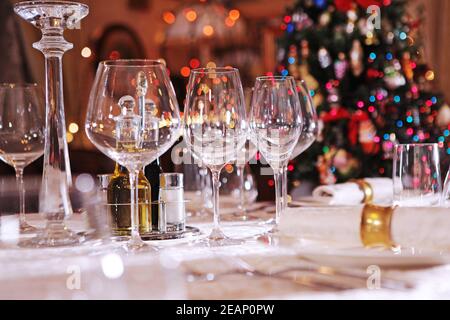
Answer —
310 126
52 18
21 134
117 123
276 125
215 128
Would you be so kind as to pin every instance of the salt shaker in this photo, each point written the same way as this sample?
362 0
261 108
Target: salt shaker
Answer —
171 203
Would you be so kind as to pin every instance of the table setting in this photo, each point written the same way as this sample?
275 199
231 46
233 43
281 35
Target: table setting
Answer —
108 237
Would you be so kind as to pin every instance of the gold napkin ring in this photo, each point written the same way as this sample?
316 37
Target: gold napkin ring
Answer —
366 188
376 226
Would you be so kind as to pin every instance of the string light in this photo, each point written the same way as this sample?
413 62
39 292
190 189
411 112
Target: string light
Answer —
234 14
86 52
169 17
73 128
191 15
185 71
208 30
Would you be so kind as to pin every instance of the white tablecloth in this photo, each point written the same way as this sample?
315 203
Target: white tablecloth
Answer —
104 271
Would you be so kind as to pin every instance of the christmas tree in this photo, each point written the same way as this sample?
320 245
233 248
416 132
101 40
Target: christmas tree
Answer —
364 65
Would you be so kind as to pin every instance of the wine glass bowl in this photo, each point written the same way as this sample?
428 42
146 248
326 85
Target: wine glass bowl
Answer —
215 128
310 122
104 110
21 133
133 118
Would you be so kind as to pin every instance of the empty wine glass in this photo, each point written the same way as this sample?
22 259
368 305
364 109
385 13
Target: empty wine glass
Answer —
21 134
310 128
117 123
445 199
416 175
276 125
310 122
215 128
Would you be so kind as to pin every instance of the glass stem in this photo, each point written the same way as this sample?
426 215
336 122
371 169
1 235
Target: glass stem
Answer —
216 187
134 205
284 189
240 171
278 176
21 187
56 155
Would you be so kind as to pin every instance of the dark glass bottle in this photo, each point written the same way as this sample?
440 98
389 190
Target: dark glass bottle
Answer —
152 172
119 201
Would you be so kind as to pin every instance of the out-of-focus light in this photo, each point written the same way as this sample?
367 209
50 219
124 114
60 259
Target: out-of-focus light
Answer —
168 17
185 71
194 63
73 128
208 30
86 52
429 75
234 14
211 64
112 266
191 15
69 137
85 183
229 22
114 55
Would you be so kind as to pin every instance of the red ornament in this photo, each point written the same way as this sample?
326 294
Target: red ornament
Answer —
335 115
367 3
346 5
343 5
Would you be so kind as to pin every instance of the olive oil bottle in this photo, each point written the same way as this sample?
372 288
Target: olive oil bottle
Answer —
120 202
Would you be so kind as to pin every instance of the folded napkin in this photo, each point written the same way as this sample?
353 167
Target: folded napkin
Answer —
350 193
410 227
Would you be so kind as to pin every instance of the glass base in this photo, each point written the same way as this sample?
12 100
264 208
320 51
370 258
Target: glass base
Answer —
135 245
25 228
241 216
54 235
218 239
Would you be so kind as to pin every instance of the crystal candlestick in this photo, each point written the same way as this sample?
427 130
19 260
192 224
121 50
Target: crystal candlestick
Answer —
52 18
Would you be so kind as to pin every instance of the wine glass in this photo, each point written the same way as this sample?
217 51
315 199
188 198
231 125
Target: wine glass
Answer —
310 122
417 175
215 128
117 123
21 134
276 124
310 127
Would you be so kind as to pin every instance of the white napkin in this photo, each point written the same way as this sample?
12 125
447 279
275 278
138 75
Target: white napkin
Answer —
350 194
413 227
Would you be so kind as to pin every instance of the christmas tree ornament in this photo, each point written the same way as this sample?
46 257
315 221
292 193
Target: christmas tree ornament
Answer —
325 19
309 79
344 163
324 58
393 78
326 175
340 66
304 45
356 58
407 66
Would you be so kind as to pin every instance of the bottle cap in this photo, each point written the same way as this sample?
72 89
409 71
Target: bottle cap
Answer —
171 180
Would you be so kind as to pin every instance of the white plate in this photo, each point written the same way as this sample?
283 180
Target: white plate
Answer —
332 255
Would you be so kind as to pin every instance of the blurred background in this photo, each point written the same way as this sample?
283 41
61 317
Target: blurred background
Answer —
186 34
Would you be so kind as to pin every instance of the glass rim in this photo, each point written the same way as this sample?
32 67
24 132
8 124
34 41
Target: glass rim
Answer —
276 78
132 63
222 70
49 3
430 144
11 85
